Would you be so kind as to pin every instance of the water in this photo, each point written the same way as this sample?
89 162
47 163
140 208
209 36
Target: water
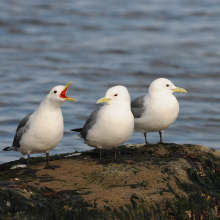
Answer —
99 44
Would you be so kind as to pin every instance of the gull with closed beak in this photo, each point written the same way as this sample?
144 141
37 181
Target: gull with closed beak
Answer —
157 110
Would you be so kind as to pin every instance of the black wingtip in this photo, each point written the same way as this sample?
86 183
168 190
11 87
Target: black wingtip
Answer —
6 149
77 129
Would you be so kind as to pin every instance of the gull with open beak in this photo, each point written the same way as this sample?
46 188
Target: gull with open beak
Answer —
42 130
158 109
111 125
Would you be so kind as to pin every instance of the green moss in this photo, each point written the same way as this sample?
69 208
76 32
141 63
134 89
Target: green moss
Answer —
166 170
133 186
157 212
144 184
198 206
121 147
201 198
173 148
39 207
198 200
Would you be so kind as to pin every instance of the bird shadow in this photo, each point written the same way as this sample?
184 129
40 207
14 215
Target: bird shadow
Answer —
52 167
30 171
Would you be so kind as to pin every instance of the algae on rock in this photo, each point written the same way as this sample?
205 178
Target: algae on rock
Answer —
154 182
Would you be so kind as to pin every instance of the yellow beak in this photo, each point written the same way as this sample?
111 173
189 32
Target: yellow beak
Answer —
63 93
178 89
104 99
70 99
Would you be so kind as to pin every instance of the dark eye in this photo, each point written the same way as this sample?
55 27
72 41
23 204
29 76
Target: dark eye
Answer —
116 95
167 85
55 91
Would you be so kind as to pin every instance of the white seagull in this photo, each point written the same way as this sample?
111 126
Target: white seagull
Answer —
42 130
158 109
112 124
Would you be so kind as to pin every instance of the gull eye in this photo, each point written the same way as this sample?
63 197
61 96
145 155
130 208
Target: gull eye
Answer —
55 91
116 95
167 85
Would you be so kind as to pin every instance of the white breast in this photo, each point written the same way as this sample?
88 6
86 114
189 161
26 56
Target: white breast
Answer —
159 115
45 132
114 127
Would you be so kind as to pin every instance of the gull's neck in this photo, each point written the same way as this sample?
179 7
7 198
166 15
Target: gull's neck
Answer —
120 105
49 105
159 95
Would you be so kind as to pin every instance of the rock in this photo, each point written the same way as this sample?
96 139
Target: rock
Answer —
154 182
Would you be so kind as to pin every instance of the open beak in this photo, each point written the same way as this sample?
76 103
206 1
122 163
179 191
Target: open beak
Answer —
63 93
178 89
104 99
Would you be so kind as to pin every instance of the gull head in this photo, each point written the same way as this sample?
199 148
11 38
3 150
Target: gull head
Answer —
163 86
116 94
58 94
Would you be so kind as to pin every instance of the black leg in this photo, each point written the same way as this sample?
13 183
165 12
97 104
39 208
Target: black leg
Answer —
28 158
100 153
115 153
48 166
161 139
47 154
145 135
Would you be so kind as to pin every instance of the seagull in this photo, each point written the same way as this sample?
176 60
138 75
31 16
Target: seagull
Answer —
157 110
42 130
112 124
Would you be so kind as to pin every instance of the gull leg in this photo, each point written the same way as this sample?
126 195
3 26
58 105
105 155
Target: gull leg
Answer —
161 139
100 157
47 159
115 160
28 158
145 135
29 171
48 166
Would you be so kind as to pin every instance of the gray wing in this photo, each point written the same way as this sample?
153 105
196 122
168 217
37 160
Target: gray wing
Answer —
138 107
21 129
89 123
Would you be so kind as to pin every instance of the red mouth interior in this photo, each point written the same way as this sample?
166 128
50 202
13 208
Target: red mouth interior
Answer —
63 94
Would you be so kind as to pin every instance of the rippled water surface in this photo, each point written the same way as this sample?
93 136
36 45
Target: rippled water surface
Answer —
99 44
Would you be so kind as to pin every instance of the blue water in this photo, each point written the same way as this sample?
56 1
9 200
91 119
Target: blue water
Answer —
99 44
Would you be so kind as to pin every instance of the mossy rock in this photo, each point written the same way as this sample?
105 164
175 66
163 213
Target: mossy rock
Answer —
153 182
